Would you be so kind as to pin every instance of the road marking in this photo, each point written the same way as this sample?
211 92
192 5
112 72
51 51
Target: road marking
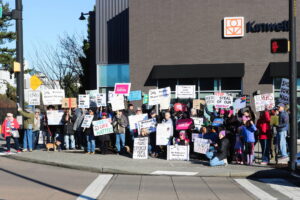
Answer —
259 193
175 173
6 154
95 188
284 187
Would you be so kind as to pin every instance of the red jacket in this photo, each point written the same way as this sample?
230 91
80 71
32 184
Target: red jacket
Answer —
263 125
5 129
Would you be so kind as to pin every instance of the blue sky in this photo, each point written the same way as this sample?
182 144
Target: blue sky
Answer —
45 20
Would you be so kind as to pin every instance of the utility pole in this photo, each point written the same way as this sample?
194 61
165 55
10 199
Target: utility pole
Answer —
293 85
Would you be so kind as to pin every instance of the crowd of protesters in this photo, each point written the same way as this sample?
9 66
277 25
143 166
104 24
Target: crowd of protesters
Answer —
232 138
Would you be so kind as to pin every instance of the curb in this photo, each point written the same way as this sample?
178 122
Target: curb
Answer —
275 173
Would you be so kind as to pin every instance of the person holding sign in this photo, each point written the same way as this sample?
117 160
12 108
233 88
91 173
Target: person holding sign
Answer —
9 125
104 139
120 123
248 136
68 122
28 126
90 138
282 129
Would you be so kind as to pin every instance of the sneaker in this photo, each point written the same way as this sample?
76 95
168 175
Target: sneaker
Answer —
225 162
18 151
88 153
7 152
30 150
24 150
92 153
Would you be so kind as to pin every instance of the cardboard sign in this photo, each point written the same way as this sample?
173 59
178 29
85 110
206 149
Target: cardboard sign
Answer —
184 124
53 97
201 145
83 101
101 99
117 103
54 117
264 101
122 88
102 127
185 91
178 152
149 124
34 97
284 91
163 134
87 121
135 95
210 100
239 103
197 103
135 119
140 148
69 103
196 135
218 122
223 100
198 122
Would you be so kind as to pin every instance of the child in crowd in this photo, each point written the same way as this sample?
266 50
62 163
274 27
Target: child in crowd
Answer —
248 131
183 139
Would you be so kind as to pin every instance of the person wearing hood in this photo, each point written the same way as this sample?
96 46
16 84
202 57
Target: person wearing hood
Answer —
28 126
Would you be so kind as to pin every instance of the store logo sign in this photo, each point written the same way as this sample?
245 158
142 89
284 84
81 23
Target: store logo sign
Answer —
233 27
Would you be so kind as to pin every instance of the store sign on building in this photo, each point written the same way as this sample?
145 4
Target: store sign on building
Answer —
253 27
233 27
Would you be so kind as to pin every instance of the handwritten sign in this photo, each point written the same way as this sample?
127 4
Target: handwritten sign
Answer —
198 122
54 117
117 102
223 100
156 96
87 121
264 101
186 91
34 97
122 88
140 148
101 99
135 119
201 145
163 134
102 127
210 100
284 91
178 152
53 97
83 101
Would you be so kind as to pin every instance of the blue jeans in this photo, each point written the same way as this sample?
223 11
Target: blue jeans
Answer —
281 141
90 143
27 138
69 138
120 141
214 161
35 138
265 149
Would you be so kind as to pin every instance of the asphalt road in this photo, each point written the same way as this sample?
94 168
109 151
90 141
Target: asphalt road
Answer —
23 180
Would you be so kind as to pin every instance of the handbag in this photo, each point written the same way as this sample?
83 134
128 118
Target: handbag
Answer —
15 134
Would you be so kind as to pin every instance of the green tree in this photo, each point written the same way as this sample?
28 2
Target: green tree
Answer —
11 92
7 54
83 78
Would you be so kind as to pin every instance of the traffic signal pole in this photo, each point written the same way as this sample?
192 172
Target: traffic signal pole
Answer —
293 85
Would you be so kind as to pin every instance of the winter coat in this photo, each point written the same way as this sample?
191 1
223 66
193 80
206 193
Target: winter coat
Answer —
120 124
5 129
223 148
78 121
263 125
90 131
28 119
283 124
68 124
248 133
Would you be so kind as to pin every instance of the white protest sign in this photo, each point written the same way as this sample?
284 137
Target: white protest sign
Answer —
223 100
198 122
156 96
201 145
210 100
264 101
163 134
102 127
101 99
186 91
196 135
53 97
178 152
149 124
140 148
93 100
284 91
83 101
54 117
87 121
34 97
111 95
153 97
135 119
165 103
117 103
239 103
20 119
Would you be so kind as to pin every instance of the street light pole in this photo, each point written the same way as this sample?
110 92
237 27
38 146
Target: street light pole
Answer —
293 85
19 48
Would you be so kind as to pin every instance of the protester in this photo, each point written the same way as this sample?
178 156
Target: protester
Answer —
282 129
67 121
78 130
28 126
120 123
248 131
9 126
183 139
104 139
90 138
36 128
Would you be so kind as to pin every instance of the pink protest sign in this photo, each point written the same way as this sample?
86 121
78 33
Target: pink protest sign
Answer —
183 124
122 88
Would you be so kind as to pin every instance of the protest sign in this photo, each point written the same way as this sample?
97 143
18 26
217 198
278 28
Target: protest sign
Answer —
122 88
20 119
54 117
87 121
163 134
140 148
264 101
111 95
185 91
153 97
196 135
135 95
183 124
83 101
284 91
165 103
149 124
156 96
198 122
69 103
102 127
197 103
34 97
218 122
135 119
179 107
223 100
101 99
178 152
117 102
53 97
210 100
91 92
93 100
239 103
145 98
201 145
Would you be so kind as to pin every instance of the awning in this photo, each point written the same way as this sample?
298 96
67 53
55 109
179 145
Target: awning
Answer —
228 70
281 69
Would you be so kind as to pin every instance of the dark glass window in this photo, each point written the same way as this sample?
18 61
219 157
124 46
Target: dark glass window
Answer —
162 83
231 84
206 84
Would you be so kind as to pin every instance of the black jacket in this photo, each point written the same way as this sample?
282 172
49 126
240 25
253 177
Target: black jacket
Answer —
223 148
68 124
